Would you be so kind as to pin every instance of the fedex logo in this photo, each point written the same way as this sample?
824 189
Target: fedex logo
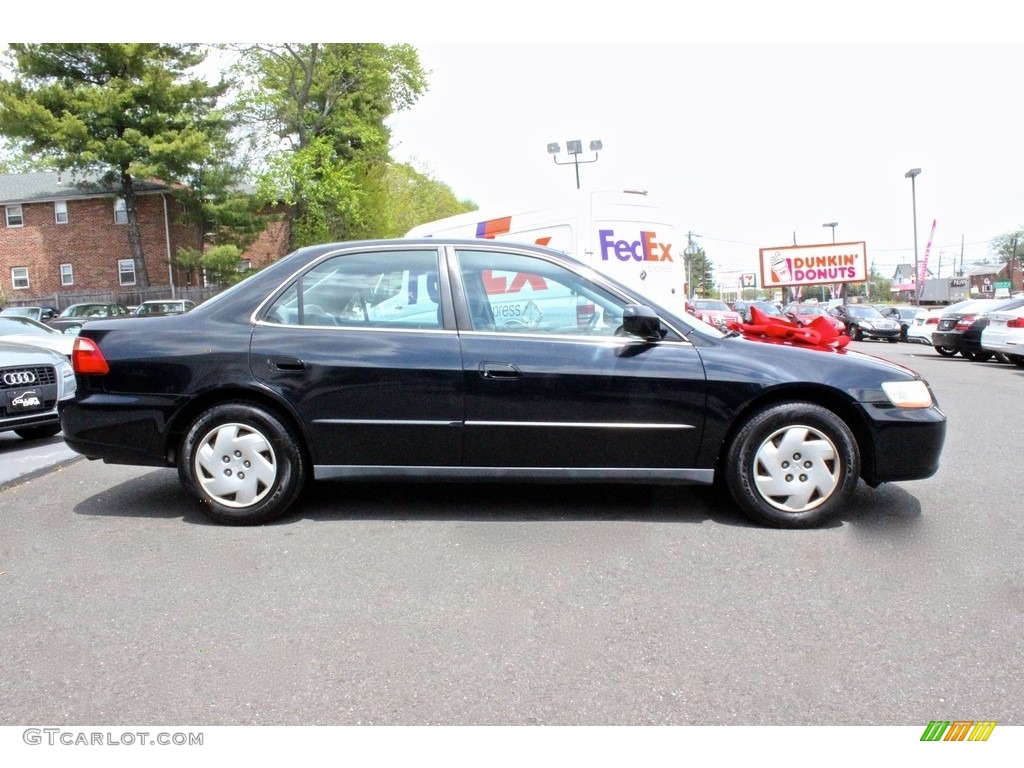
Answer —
644 249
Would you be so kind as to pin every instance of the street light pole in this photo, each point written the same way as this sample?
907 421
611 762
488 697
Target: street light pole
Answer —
912 175
575 148
832 224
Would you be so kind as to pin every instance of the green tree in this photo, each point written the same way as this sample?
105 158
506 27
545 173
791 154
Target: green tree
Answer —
314 115
700 272
219 264
415 198
1009 249
127 111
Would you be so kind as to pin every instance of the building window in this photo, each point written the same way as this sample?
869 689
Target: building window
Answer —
244 265
67 274
60 211
126 271
19 277
14 216
120 212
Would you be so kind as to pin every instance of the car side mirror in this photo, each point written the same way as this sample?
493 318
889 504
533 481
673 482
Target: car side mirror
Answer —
638 320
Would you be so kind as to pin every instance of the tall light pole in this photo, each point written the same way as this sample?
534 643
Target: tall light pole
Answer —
833 224
692 249
912 175
575 148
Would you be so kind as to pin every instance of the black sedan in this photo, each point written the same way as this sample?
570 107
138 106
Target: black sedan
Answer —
862 321
960 331
484 361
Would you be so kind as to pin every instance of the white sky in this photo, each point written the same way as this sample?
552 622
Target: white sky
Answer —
751 145
755 122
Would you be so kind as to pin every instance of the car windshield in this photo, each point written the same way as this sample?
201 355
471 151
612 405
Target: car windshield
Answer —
20 312
863 312
86 310
712 305
147 308
809 309
12 324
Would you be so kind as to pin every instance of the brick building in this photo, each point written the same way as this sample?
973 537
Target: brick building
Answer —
64 240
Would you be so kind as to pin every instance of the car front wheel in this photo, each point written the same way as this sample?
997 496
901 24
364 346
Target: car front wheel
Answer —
792 465
243 464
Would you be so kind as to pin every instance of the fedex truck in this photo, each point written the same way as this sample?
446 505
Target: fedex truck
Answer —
622 234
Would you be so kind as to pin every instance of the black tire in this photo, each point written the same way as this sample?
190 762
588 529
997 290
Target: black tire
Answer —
893 340
243 464
978 357
770 488
946 351
1017 360
37 433
856 334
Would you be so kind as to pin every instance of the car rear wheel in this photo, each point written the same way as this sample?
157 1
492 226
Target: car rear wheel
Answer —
243 464
946 351
1017 360
792 465
37 433
978 357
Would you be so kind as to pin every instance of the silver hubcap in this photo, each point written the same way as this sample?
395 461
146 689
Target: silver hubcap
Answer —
796 469
235 465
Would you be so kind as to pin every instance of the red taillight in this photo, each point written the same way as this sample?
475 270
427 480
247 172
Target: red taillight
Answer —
931 321
1017 322
87 358
965 322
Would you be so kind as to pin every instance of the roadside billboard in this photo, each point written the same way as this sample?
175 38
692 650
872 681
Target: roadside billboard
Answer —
814 264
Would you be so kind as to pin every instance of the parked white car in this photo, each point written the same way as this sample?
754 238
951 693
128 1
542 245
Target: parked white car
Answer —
25 330
1004 335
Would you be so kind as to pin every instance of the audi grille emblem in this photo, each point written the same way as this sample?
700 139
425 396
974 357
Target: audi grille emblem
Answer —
19 377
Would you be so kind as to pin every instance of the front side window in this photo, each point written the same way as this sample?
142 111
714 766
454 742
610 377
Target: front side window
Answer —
120 211
67 274
126 271
511 293
15 217
19 277
60 212
391 289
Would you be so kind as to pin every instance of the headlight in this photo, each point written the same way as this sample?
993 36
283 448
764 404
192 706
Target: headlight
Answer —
908 394
68 383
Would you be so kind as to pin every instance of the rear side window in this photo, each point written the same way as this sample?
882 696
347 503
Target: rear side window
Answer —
390 289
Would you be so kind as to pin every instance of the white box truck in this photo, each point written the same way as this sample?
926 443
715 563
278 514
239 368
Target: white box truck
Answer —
622 234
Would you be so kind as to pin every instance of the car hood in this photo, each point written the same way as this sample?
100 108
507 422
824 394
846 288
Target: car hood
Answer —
17 354
57 343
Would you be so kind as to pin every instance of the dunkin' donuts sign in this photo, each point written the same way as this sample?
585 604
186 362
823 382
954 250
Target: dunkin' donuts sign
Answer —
814 264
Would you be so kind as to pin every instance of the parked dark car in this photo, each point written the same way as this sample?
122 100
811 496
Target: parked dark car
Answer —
483 361
164 307
769 308
32 381
76 315
960 331
904 315
39 314
862 321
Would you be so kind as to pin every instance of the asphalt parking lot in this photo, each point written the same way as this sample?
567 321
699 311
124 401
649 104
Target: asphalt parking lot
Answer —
518 605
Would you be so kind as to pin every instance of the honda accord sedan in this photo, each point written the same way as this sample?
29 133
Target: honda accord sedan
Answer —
484 361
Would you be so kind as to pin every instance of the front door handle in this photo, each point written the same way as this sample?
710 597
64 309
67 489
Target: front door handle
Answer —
499 371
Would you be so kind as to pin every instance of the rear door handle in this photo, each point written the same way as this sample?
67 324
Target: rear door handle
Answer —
499 371
286 364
